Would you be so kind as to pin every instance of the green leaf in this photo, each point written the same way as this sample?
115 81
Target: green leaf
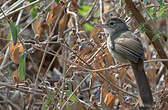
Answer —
73 98
84 9
95 20
118 14
69 87
88 27
152 12
160 2
22 67
33 12
68 93
163 11
67 107
57 1
31 1
48 101
166 35
48 10
36 5
9 37
122 2
14 32
155 37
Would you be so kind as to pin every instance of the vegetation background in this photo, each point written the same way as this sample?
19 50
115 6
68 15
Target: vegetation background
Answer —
53 57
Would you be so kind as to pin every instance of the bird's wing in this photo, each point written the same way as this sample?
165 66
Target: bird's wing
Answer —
129 47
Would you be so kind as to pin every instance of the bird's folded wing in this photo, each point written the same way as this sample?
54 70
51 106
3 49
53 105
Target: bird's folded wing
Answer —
130 48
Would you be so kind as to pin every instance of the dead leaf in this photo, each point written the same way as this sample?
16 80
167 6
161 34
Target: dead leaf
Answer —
1 58
63 24
152 72
122 73
36 25
166 81
15 51
15 56
74 6
104 90
94 74
109 98
54 12
40 28
15 77
109 59
130 74
95 35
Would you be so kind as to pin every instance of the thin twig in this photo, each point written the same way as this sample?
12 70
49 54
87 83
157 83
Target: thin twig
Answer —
75 16
21 8
13 6
96 52
49 38
101 11
74 91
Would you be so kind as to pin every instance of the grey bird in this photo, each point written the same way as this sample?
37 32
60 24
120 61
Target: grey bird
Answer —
126 47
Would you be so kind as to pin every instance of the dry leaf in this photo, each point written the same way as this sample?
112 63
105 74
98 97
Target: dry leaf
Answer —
109 98
74 6
40 28
130 74
63 24
104 90
94 74
15 77
54 12
1 58
95 35
166 81
36 26
15 51
109 59
152 74
122 73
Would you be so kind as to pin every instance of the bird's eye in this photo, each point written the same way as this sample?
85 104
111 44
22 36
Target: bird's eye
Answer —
111 23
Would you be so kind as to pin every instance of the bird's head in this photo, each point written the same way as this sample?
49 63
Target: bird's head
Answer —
113 25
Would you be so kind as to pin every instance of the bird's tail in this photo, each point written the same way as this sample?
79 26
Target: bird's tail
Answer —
143 84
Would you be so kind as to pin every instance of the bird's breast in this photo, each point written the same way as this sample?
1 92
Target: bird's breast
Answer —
118 58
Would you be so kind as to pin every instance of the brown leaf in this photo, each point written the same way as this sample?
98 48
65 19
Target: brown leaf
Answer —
109 98
1 58
152 74
122 73
95 35
63 24
109 59
15 77
15 51
166 81
74 5
40 28
94 74
130 74
36 25
54 12
104 90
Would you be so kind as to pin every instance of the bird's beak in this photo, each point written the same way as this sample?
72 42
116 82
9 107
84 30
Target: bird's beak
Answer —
102 25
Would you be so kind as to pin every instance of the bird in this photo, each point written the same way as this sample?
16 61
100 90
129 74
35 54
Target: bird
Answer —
126 47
